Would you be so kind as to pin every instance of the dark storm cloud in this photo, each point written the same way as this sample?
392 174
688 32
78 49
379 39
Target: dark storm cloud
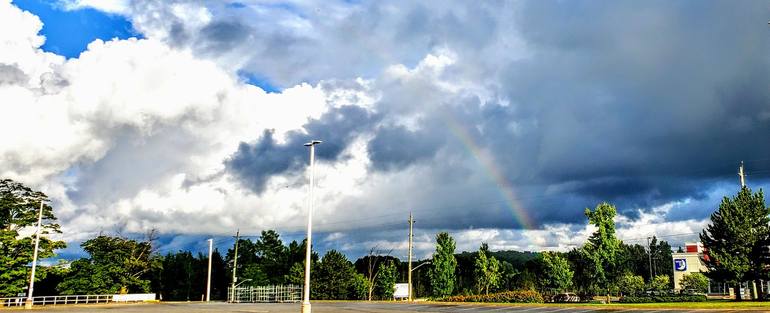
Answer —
255 163
641 101
397 147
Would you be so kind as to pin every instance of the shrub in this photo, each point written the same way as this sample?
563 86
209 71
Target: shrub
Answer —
516 296
695 281
631 284
660 283
653 299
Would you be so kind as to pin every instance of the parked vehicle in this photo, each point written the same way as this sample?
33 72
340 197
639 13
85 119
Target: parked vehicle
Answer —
566 297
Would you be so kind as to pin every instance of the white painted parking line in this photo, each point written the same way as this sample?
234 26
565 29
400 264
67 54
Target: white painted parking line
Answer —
517 308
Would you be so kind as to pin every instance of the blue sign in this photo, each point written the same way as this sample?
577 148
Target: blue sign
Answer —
680 264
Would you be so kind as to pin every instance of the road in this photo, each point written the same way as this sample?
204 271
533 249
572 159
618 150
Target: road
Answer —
343 307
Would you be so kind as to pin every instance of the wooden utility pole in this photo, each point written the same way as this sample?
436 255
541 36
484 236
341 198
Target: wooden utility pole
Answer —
409 274
649 257
235 265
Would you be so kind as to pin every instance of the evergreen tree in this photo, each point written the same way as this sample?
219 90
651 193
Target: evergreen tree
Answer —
736 238
442 275
273 256
335 278
602 246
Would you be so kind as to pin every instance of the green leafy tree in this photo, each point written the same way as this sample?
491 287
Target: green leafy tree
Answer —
602 246
583 277
486 270
661 259
19 207
555 273
695 281
660 283
442 275
114 264
736 238
359 287
385 282
630 284
508 275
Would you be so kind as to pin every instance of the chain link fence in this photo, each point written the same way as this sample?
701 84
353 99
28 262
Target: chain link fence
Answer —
280 293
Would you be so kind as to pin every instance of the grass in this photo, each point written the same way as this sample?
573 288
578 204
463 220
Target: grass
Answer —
710 304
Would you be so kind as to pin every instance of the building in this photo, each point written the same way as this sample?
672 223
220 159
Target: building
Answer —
691 261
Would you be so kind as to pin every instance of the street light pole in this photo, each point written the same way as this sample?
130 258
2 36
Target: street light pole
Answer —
28 305
306 299
208 280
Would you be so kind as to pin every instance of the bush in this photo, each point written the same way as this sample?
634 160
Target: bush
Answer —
516 296
695 281
653 299
660 283
631 284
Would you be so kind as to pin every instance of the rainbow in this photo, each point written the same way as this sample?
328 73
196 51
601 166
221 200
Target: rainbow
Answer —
493 171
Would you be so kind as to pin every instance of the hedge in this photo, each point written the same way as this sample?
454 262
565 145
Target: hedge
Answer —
516 296
652 299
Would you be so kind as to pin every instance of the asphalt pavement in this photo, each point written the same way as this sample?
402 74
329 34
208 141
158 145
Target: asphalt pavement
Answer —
343 307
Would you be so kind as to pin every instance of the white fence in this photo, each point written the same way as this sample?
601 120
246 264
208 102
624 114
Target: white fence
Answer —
280 293
77 299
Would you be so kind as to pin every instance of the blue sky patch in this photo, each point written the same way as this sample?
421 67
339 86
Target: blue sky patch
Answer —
68 33
259 81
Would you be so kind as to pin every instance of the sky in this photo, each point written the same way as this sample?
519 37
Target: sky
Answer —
499 121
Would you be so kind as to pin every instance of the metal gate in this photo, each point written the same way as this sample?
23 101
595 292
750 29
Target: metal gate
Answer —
280 293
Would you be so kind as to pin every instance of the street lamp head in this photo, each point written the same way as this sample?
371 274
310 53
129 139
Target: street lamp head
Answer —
312 143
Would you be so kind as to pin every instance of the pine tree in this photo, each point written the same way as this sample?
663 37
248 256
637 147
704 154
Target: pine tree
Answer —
736 239
442 275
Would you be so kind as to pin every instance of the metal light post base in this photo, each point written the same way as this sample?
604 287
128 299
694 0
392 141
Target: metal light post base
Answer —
306 308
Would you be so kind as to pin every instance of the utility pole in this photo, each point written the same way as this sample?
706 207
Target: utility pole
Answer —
741 175
28 304
235 264
208 281
649 256
409 275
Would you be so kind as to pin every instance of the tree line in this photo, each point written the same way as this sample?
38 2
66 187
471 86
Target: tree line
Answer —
736 241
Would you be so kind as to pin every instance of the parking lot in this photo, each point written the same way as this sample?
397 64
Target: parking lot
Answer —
342 307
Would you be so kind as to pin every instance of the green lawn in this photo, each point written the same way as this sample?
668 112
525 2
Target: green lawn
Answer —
711 304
